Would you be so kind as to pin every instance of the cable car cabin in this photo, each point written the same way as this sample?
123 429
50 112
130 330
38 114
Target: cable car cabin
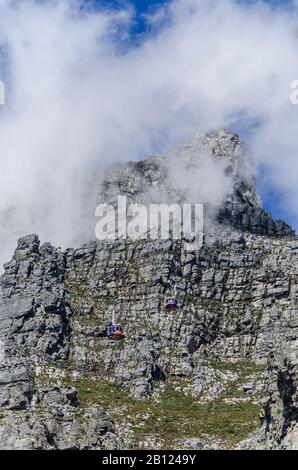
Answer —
171 304
116 332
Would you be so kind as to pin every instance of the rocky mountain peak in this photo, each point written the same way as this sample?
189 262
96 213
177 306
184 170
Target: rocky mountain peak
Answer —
218 372
216 169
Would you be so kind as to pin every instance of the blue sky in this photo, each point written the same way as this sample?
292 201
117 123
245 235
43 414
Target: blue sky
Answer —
144 6
118 95
272 197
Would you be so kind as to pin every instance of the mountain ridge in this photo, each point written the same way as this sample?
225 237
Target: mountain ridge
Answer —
221 372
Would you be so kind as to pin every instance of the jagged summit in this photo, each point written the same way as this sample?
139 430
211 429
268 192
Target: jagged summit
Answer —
224 145
215 169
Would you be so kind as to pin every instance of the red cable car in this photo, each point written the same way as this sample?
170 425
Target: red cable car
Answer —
171 304
116 332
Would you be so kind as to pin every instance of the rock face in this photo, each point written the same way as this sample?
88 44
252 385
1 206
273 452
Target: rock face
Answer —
216 170
220 370
35 328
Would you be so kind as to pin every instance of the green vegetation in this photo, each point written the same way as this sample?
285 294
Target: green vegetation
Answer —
245 371
241 367
173 416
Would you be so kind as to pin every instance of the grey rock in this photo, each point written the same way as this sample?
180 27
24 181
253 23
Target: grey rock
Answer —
238 302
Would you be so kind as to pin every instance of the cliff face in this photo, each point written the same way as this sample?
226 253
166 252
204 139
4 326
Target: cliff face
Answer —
220 372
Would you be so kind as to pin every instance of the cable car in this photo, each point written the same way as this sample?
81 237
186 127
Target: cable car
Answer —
116 332
171 304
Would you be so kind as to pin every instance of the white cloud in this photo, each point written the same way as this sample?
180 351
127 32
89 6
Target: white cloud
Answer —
77 100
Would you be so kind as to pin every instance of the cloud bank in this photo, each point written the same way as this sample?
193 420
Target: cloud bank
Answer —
80 95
